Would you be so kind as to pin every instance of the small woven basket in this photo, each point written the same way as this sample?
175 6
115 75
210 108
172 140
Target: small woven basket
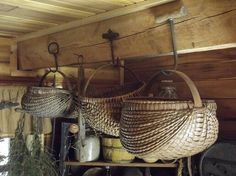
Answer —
158 129
102 112
48 102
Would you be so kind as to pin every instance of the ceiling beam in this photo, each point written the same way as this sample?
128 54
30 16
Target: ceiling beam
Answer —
48 8
10 34
100 17
21 20
82 5
16 28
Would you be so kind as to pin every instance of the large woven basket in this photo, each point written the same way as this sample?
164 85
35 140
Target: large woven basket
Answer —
48 102
168 129
103 111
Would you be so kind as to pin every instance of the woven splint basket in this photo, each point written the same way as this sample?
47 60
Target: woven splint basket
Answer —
168 129
48 102
102 112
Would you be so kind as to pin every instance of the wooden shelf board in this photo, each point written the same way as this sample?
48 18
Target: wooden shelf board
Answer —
135 164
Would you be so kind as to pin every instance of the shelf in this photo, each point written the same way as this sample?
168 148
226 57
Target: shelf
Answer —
135 164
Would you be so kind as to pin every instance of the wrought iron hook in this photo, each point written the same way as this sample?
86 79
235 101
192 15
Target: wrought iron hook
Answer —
81 73
173 39
174 47
53 48
80 58
111 36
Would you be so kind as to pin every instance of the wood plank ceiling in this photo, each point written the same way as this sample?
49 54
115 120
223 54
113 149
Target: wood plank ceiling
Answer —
18 17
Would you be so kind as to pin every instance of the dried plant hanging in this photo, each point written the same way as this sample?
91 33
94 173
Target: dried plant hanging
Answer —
29 162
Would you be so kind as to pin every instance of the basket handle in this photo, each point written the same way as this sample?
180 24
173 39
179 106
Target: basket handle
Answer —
68 83
194 91
188 81
104 66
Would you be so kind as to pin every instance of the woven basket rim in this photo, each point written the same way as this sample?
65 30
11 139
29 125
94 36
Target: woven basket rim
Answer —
47 88
124 96
153 100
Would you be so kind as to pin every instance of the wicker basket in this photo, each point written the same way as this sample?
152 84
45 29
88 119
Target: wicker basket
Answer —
48 102
102 112
171 129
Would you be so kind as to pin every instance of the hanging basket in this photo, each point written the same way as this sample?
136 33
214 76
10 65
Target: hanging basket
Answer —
168 129
103 111
48 102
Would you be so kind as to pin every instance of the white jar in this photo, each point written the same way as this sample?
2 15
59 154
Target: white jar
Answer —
89 151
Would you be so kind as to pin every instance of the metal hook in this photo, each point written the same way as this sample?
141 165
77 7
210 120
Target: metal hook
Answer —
173 39
53 48
174 47
80 72
111 36
80 58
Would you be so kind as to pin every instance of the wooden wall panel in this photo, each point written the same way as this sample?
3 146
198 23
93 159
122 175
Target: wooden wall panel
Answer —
5 52
5 49
227 130
217 89
217 64
207 23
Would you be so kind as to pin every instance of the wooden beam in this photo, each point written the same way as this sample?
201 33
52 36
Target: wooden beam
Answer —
100 17
19 26
11 34
134 164
28 14
25 81
48 8
16 28
182 52
82 5
20 21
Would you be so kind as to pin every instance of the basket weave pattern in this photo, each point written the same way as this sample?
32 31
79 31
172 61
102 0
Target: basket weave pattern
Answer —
46 101
103 111
103 114
167 130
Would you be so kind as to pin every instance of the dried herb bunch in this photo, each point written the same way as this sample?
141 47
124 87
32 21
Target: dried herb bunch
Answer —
33 162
